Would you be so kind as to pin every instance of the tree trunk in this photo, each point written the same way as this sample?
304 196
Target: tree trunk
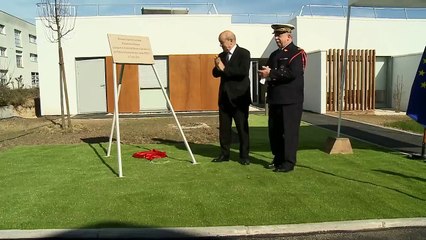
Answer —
64 80
61 89
63 83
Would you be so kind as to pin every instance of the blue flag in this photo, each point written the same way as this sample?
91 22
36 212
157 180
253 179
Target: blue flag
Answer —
417 104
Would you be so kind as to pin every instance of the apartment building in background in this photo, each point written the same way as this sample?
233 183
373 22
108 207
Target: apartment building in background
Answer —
18 52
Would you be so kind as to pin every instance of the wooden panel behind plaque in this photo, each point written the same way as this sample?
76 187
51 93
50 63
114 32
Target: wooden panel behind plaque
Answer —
209 84
129 96
192 86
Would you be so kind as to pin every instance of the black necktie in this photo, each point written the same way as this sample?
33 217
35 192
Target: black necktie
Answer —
228 56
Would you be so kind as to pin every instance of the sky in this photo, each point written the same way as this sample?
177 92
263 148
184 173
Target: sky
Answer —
27 10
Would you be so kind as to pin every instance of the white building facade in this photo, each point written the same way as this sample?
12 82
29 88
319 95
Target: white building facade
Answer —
392 39
197 34
18 52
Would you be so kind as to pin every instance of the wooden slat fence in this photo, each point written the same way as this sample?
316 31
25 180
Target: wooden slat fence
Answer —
359 90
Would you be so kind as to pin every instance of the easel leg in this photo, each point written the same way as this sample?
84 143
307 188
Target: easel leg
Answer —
174 115
117 122
113 118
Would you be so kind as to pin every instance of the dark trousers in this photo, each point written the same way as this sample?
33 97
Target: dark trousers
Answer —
284 123
227 112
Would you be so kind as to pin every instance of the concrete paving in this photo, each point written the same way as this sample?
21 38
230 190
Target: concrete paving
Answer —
393 139
213 232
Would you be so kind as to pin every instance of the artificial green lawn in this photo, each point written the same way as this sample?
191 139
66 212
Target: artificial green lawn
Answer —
407 125
76 186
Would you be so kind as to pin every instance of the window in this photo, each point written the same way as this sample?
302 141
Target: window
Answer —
33 57
2 29
19 62
3 52
34 79
18 38
3 77
33 39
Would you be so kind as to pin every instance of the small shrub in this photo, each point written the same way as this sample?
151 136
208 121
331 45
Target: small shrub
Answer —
5 94
17 97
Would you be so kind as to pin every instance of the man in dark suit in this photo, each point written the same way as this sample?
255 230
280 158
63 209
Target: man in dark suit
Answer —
232 66
284 72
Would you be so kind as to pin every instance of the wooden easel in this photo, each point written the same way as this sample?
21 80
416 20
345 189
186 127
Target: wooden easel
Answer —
133 50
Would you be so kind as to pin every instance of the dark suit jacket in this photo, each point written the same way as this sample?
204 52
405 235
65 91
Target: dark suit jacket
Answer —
234 80
287 75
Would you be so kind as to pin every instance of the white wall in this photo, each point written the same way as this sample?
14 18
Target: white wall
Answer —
405 69
256 38
169 34
197 34
388 36
315 82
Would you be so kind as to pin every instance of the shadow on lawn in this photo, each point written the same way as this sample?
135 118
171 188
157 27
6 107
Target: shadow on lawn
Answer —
362 181
210 151
260 152
311 137
119 230
400 175
98 142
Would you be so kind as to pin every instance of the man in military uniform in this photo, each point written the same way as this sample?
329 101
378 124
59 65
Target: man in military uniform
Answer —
284 72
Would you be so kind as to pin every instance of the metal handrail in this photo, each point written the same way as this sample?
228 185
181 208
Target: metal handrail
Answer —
306 10
344 8
250 16
310 6
137 6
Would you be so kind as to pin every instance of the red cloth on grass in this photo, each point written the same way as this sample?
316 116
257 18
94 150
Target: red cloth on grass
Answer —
150 155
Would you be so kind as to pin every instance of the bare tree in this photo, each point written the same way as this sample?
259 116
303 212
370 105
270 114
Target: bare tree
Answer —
5 71
397 93
59 17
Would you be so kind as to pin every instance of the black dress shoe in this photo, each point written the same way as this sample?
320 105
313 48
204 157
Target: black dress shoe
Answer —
221 158
283 169
244 161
